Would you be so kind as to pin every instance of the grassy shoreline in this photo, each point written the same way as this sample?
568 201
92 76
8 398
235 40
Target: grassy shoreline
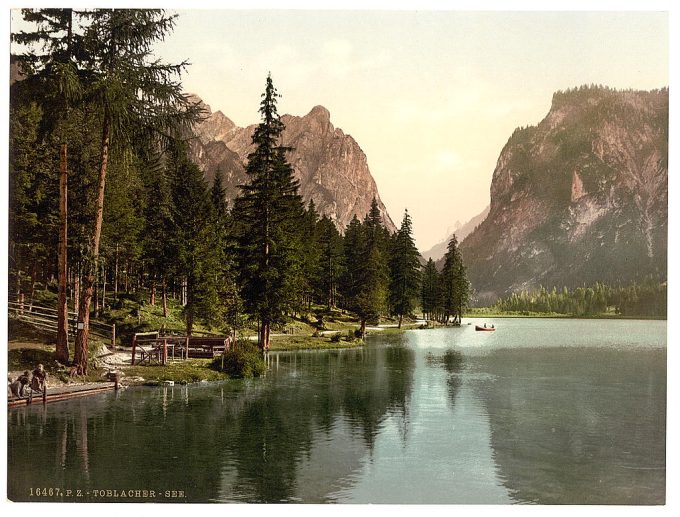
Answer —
27 347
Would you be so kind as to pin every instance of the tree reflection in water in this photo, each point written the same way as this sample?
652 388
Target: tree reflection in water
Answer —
452 361
240 440
530 424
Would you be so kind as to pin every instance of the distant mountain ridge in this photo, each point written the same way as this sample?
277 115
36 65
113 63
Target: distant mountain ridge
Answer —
331 167
438 251
579 198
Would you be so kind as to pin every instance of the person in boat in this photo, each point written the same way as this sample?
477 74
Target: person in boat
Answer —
39 379
493 327
485 325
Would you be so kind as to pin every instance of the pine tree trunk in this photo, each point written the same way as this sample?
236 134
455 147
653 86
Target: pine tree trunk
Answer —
82 337
19 309
165 300
103 288
401 317
115 275
62 351
362 329
76 289
152 297
96 295
83 333
264 336
30 299
190 323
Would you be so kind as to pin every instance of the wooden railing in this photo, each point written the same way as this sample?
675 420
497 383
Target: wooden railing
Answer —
45 318
154 347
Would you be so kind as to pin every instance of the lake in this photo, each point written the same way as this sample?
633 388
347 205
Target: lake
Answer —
546 411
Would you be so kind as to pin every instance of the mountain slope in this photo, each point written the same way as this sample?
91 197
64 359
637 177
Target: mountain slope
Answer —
438 251
579 198
331 167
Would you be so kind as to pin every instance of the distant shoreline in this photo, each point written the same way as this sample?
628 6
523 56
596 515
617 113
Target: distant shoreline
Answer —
565 316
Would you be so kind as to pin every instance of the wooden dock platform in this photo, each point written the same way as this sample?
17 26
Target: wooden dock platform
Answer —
62 393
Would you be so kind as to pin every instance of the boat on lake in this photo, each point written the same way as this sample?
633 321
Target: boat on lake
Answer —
487 329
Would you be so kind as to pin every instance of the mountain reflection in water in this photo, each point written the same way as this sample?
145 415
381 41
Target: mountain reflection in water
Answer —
434 416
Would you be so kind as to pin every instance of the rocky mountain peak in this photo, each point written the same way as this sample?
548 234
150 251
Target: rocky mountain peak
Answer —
320 114
330 166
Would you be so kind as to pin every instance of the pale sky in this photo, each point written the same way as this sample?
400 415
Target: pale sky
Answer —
430 96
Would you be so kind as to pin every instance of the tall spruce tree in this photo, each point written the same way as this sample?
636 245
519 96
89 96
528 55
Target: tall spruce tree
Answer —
329 268
352 245
158 225
139 97
197 239
230 303
370 301
454 284
269 212
404 270
372 273
52 81
429 297
310 251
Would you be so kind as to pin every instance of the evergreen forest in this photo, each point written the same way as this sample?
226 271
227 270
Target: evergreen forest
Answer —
104 198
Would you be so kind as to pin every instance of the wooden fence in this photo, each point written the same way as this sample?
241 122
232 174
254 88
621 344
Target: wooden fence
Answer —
152 347
45 318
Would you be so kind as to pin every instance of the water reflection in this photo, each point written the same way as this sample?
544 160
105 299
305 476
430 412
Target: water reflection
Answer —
452 361
580 426
444 416
232 441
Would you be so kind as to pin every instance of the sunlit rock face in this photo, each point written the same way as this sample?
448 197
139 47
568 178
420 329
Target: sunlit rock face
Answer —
329 164
579 198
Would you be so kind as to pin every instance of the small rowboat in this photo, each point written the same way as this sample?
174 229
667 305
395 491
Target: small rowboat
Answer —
486 329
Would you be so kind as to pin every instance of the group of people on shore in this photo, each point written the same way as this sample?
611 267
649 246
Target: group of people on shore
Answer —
35 380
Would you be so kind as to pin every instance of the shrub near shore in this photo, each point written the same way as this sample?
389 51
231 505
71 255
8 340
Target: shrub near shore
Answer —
243 360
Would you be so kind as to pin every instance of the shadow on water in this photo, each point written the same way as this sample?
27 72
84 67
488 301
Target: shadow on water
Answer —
265 440
577 425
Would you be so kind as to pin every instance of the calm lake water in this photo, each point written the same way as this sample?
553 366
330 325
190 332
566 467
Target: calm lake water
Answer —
540 411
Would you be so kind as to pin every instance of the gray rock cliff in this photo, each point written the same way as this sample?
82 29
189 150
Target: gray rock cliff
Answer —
579 198
329 164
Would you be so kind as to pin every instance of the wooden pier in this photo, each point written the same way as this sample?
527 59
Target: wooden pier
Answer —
62 393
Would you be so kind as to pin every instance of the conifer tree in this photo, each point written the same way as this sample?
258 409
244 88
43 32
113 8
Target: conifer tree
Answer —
329 268
310 253
269 211
430 290
52 81
353 244
158 225
454 284
375 230
197 241
404 270
372 273
139 98
230 303
371 299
